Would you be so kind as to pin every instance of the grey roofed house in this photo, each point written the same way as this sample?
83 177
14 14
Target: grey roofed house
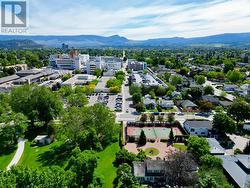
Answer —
215 147
167 104
230 87
149 102
176 94
149 168
211 98
238 168
188 104
199 124
225 103
155 166
153 171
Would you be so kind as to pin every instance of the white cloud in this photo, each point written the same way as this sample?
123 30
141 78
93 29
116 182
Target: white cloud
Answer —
168 20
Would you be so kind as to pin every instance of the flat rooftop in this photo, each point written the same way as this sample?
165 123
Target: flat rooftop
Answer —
79 79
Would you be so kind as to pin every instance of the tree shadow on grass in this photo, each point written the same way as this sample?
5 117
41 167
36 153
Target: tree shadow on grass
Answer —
8 150
57 155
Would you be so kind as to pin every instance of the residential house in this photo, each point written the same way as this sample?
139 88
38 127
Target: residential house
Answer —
246 126
176 95
153 172
150 171
237 168
149 103
198 127
245 89
166 104
43 140
188 105
225 104
230 88
215 147
211 98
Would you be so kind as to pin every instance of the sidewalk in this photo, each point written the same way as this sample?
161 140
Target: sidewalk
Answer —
18 154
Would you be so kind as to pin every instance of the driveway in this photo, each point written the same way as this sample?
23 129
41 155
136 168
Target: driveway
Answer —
218 92
239 141
18 154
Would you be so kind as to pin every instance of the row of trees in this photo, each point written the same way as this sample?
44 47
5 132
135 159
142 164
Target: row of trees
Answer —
115 84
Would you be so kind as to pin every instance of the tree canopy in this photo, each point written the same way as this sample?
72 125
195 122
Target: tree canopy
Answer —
97 120
239 110
198 146
37 103
223 123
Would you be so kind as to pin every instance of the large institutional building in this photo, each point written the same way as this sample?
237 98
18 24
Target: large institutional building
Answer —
84 62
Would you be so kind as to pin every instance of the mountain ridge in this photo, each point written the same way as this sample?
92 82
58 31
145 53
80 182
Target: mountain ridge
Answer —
227 39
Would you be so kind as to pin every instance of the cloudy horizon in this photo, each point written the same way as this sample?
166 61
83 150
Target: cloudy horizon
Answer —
139 19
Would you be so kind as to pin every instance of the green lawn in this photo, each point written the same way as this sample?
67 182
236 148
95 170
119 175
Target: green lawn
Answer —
181 147
105 166
152 152
5 160
31 155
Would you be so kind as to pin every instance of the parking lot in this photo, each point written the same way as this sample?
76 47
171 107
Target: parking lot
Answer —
114 102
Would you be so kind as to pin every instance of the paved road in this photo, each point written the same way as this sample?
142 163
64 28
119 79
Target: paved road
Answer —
18 154
218 92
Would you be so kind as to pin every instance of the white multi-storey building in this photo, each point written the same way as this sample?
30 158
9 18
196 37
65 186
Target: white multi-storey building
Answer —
84 62
105 63
70 61
137 65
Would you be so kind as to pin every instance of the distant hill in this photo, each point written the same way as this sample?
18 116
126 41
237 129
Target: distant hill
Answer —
232 39
19 44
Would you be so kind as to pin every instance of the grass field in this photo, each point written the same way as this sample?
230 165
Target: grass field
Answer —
181 147
31 155
105 166
5 160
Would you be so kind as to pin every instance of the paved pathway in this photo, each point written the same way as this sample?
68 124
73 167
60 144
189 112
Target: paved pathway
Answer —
18 154
239 141
164 150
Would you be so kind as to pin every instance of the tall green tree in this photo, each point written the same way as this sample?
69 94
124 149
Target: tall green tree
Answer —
200 79
239 110
79 120
77 100
137 98
125 178
198 146
142 139
83 165
8 139
208 90
37 103
234 76
223 123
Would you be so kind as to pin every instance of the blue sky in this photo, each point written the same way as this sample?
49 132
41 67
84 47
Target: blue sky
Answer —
139 19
